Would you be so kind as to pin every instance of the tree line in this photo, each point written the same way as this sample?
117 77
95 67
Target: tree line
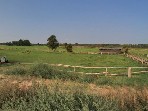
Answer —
19 43
54 44
113 45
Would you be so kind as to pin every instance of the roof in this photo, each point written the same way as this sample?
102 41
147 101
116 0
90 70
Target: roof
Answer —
118 48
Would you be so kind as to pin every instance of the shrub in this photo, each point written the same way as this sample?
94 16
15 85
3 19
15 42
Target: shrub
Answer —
90 78
48 72
38 98
104 81
42 70
17 71
69 48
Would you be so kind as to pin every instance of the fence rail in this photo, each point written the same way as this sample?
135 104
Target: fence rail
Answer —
128 70
136 58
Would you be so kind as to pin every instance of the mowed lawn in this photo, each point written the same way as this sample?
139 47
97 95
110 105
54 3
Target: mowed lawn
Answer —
42 54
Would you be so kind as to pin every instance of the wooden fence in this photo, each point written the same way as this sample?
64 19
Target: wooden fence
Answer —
128 70
106 72
138 59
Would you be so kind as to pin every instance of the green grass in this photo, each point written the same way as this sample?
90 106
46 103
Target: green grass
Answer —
40 98
141 52
83 49
42 54
47 72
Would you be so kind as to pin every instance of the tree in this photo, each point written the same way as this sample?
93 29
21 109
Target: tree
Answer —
20 42
9 44
52 42
76 44
125 49
69 48
65 45
26 43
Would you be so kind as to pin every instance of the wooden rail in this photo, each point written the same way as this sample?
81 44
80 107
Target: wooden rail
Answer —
128 73
129 70
136 58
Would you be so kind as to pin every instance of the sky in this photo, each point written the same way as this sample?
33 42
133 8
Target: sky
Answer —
75 21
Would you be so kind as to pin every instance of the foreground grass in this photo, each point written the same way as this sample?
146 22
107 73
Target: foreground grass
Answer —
39 98
43 88
34 94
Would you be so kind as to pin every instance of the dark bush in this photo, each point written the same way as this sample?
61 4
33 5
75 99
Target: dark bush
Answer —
40 70
48 72
69 48
17 71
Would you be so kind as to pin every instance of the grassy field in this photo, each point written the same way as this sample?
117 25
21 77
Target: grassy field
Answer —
42 54
40 87
139 52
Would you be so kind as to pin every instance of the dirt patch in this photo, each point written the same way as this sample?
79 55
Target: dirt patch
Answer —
2 77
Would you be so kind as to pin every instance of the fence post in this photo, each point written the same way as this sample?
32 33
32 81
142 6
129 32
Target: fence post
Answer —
129 72
142 61
74 69
106 71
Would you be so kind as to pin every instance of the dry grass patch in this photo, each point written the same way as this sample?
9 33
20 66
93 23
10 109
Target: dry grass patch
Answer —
127 97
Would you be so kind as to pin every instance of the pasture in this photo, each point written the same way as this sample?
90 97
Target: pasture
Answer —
143 53
42 54
38 86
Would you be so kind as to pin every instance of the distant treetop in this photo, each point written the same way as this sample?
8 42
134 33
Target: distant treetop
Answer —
19 43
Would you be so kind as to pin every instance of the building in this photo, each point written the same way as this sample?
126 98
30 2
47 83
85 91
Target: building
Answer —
110 50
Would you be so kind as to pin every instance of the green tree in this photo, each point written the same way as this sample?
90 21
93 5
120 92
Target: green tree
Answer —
20 42
26 43
69 48
65 45
52 42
